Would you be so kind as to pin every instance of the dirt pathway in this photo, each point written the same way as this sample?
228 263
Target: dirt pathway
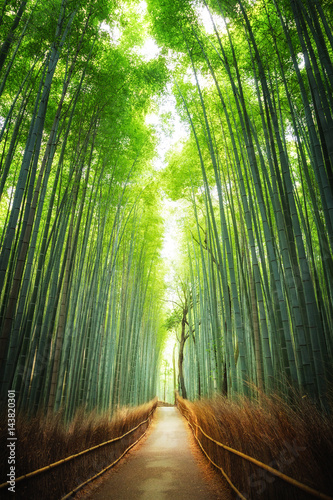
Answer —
163 468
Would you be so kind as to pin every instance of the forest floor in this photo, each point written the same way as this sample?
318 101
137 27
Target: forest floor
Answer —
166 464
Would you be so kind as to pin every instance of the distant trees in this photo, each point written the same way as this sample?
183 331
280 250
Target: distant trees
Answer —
79 322
260 108
80 317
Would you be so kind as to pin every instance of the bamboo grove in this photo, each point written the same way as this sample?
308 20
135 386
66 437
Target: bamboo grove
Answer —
79 257
82 320
255 313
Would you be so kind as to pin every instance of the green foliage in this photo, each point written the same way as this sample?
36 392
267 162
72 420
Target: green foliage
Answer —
85 211
247 165
172 22
82 226
174 319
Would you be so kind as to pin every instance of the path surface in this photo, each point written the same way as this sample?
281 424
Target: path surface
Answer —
163 468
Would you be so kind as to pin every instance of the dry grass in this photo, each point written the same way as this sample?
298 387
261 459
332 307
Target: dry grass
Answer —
42 441
164 404
296 440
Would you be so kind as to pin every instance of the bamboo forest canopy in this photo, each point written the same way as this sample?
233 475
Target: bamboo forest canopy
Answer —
85 308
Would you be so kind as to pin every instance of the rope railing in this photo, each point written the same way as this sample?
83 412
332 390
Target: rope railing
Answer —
266 467
71 457
103 470
226 477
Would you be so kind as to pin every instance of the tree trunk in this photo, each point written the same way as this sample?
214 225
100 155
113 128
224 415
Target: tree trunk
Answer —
183 339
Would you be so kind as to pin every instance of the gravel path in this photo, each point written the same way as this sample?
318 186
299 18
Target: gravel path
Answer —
162 468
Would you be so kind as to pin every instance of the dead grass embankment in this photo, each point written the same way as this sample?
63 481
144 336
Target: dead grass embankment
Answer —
296 440
42 441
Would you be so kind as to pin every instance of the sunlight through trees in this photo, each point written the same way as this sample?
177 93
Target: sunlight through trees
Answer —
109 113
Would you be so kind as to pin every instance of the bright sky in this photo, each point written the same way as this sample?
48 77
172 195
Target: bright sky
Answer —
150 49
169 130
176 130
172 213
205 18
